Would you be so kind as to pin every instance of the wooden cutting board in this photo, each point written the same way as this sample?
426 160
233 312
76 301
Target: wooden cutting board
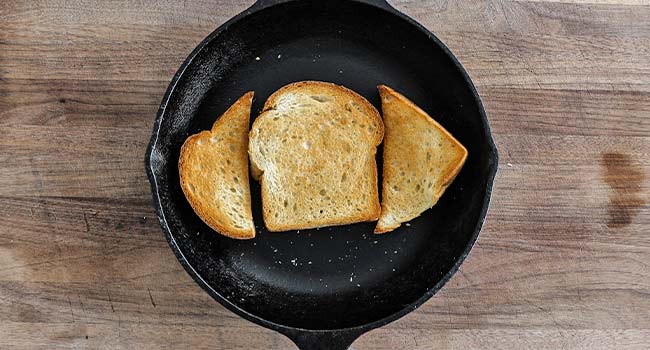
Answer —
563 261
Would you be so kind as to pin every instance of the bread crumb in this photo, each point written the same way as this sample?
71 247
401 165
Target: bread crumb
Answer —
257 58
408 224
510 165
279 56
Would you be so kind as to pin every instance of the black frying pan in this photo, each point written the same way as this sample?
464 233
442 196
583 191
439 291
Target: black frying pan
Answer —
323 288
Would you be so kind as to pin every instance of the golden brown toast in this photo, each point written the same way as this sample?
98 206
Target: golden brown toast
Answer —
420 157
213 169
313 150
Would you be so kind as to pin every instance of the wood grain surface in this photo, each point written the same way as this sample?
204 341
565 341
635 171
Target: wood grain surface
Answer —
563 261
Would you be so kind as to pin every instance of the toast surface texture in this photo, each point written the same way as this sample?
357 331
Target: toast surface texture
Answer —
213 169
313 150
420 158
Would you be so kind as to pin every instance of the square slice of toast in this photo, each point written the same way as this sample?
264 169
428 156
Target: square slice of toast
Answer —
313 150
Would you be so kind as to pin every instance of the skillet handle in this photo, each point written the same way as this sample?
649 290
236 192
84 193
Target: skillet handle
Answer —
323 340
266 3
379 3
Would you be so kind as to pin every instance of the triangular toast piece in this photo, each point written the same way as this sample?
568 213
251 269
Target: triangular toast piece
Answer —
420 157
213 169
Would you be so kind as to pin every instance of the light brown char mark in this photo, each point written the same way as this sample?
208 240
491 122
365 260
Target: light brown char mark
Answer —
624 179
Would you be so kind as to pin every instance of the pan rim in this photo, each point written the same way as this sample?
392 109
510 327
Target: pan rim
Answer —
289 330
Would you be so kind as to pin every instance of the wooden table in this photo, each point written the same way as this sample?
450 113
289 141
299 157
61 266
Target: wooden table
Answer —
563 261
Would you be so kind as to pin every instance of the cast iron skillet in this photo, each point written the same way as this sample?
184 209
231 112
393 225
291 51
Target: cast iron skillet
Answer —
323 288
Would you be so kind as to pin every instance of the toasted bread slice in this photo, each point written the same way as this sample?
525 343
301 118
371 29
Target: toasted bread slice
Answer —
213 168
420 160
313 149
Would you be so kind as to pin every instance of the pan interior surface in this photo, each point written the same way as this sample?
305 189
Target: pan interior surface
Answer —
334 277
